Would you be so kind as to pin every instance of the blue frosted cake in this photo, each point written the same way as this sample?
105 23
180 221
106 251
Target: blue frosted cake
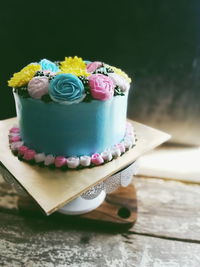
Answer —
71 114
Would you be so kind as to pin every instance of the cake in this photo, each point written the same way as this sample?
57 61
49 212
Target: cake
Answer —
71 113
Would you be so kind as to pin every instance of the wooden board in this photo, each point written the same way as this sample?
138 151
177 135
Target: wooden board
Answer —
53 189
117 212
155 240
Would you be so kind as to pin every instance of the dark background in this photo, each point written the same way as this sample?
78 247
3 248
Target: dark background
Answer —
156 42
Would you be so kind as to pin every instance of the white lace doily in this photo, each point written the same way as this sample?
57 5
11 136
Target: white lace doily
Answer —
121 178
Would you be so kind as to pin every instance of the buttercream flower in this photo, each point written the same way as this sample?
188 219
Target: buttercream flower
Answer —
85 161
29 154
128 144
16 145
91 67
14 139
115 152
13 134
107 155
74 65
66 89
120 81
101 86
129 139
97 159
60 161
24 76
38 86
73 162
48 65
22 150
49 159
40 157
121 147
121 73
14 130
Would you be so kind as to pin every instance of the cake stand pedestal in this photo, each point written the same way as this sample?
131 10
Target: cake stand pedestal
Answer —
81 206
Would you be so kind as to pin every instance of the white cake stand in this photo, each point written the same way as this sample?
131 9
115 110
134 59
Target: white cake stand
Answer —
80 205
94 197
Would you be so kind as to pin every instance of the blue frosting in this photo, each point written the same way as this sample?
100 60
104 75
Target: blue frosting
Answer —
66 88
48 65
79 129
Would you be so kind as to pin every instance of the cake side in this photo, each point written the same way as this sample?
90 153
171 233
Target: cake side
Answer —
71 130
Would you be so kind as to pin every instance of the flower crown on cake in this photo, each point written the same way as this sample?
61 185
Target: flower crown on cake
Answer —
70 81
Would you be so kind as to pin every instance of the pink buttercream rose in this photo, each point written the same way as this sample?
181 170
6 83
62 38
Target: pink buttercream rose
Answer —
14 130
91 67
22 150
97 159
60 161
13 139
38 86
29 154
101 86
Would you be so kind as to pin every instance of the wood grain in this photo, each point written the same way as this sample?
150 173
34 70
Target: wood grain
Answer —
117 212
165 234
35 242
168 208
165 208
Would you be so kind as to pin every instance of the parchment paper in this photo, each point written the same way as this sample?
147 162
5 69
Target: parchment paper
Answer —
52 189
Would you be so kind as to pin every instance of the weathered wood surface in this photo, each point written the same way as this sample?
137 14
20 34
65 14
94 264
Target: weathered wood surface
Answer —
168 208
28 242
166 234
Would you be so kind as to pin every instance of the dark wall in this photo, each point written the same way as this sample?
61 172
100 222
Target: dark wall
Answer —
156 42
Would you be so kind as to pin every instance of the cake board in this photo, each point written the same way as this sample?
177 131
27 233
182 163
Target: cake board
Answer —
53 189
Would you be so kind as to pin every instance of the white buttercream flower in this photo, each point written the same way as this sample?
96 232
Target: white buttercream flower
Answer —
49 159
73 162
121 147
85 161
119 81
40 157
115 152
107 155
128 144
15 145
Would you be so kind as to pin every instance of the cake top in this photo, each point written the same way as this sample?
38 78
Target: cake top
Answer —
70 81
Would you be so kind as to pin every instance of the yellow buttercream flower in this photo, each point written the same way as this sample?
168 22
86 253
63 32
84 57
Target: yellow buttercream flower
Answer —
74 65
24 76
121 73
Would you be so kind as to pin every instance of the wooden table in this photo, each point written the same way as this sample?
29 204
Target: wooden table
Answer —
167 232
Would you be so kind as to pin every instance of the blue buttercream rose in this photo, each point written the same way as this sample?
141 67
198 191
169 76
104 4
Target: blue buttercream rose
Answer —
48 65
66 89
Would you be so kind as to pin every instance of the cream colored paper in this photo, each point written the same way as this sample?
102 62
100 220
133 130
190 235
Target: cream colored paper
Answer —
54 188
172 162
